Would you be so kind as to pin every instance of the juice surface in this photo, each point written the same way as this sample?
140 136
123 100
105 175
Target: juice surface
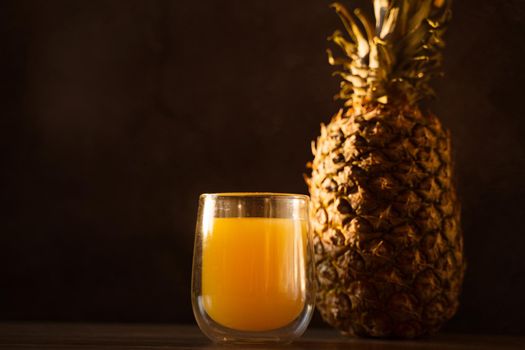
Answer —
253 272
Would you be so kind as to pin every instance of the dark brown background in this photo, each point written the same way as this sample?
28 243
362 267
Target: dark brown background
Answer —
116 114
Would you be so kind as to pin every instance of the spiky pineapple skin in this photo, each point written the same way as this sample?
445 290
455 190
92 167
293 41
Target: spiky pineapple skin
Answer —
386 221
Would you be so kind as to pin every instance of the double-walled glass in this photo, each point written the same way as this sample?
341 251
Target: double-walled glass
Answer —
253 276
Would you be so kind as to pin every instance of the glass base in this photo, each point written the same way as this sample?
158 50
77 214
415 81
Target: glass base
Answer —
253 341
224 335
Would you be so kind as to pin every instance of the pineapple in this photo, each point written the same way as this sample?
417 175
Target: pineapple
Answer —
386 219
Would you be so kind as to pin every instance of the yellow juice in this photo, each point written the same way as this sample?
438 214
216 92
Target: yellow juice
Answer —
253 272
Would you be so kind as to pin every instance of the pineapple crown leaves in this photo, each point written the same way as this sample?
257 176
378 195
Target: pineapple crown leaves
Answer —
393 58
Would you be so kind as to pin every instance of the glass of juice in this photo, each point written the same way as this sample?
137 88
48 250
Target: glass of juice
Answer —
253 278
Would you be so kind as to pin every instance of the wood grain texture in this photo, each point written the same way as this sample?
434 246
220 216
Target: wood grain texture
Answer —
27 336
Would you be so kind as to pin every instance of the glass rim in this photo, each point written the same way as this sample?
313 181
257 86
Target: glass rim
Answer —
272 195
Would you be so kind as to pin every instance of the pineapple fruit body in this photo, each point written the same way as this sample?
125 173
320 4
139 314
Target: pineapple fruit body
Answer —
387 242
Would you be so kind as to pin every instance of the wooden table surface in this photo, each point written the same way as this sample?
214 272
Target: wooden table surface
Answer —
148 337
